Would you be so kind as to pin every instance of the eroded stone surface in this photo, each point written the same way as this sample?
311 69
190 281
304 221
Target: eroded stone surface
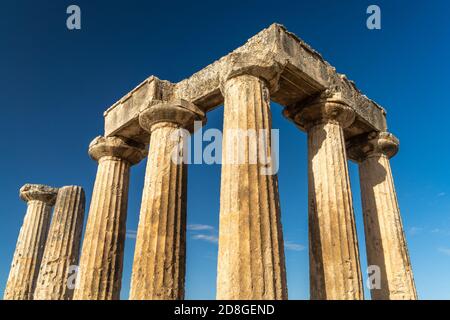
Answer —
159 259
62 248
31 242
385 238
38 192
335 272
251 255
101 259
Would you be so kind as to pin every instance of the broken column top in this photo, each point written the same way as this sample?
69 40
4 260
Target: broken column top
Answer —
39 192
294 71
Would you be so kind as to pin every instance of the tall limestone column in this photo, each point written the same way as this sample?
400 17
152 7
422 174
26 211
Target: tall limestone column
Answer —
385 238
159 259
63 247
251 262
335 272
101 259
31 242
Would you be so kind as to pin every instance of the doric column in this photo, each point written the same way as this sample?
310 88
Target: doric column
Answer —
63 246
251 250
31 243
335 272
385 239
159 259
101 259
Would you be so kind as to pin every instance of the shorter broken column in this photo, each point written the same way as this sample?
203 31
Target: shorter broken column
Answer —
31 242
59 265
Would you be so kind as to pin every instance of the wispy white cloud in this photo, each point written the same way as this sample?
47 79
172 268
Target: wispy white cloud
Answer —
436 231
199 227
206 237
415 231
445 251
289 245
131 234
203 232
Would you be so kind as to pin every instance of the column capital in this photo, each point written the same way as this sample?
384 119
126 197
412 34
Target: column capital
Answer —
180 113
373 143
119 147
241 64
327 107
39 192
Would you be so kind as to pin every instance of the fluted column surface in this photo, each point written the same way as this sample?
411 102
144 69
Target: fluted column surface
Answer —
251 253
63 246
385 238
102 254
101 262
334 257
31 242
159 260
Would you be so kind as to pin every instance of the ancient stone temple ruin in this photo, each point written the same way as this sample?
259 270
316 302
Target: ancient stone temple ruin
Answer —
341 124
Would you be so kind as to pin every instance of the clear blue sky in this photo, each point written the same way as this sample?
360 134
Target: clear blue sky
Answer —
55 85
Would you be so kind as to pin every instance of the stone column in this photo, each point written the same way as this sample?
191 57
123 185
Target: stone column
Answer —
62 250
385 239
101 259
31 242
251 262
159 259
335 272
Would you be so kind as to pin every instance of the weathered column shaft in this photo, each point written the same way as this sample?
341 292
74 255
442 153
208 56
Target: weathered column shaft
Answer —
31 242
29 250
385 238
334 257
251 250
159 260
101 260
335 272
62 250
103 245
